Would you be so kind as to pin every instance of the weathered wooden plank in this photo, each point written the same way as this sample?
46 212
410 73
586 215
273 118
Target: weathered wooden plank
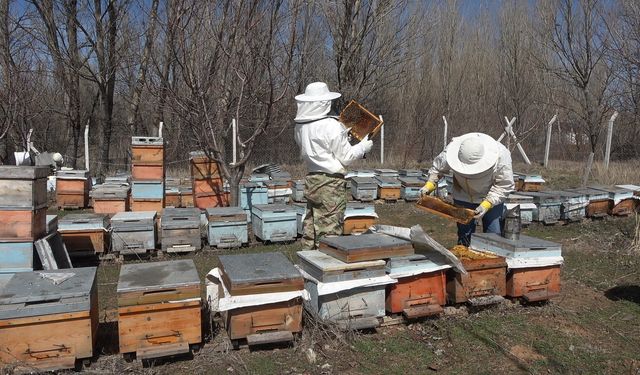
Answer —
23 194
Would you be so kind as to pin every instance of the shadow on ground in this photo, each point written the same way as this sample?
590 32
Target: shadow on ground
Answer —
626 292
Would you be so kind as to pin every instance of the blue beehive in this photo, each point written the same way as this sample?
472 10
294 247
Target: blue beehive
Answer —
298 191
147 190
301 212
364 189
252 193
410 190
16 257
227 227
274 222
409 173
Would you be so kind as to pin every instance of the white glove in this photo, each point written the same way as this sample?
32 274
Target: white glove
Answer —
366 144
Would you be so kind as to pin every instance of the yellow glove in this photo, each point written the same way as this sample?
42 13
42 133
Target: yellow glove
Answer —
482 209
428 188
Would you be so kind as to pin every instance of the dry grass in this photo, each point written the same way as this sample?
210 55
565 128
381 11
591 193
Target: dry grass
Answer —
634 247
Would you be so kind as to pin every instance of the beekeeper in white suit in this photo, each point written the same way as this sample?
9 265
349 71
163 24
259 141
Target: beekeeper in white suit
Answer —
482 180
325 148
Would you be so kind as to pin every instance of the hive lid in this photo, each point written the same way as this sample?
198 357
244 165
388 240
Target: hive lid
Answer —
147 141
144 220
386 172
39 286
411 181
85 220
499 245
146 276
74 173
327 263
612 190
539 196
387 181
410 172
222 212
364 241
181 212
13 172
258 268
416 262
273 207
363 180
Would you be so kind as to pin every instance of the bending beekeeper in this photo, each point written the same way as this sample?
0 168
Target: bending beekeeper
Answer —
325 148
482 180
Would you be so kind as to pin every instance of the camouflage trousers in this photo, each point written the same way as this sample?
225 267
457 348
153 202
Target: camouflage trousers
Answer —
326 203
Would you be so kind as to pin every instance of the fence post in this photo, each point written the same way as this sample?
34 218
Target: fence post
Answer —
607 153
381 141
548 141
446 126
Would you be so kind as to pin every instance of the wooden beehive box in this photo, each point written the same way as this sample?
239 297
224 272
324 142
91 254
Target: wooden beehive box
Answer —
534 269
410 188
355 308
526 206
388 188
247 274
364 189
141 205
186 196
278 191
598 206
48 326
359 217
85 233
172 197
532 183
301 212
180 230
203 167
227 227
415 173
548 206
147 151
573 206
110 199
421 287
251 194
16 257
147 190
621 201
298 191
367 246
274 222
207 200
133 232
486 277
22 225
159 308
72 188
23 188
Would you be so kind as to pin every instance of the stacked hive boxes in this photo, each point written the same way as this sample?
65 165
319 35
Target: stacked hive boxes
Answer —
208 187
147 173
23 215
159 308
172 197
359 217
49 319
251 194
267 295
72 188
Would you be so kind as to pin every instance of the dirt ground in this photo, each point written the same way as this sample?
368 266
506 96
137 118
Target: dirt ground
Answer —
593 327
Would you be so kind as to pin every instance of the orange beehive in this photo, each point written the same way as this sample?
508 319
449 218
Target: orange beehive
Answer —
147 151
147 205
419 295
534 284
358 224
23 225
147 172
486 276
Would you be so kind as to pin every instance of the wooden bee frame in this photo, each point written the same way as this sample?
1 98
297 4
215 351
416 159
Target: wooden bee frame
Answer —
360 121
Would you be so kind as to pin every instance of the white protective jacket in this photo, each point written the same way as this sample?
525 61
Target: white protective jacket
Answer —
323 140
493 185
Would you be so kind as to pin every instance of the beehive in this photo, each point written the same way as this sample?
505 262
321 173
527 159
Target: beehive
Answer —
147 151
274 222
532 183
415 173
358 307
388 188
133 232
248 274
23 188
367 246
72 188
486 277
410 188
548 207
573 205
84 233
359 217
46 325
172 197
364 189
159 308
251 194
110 199
598 206
227 227
534 264
621 201
16 257
180 230
421 287
278 191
